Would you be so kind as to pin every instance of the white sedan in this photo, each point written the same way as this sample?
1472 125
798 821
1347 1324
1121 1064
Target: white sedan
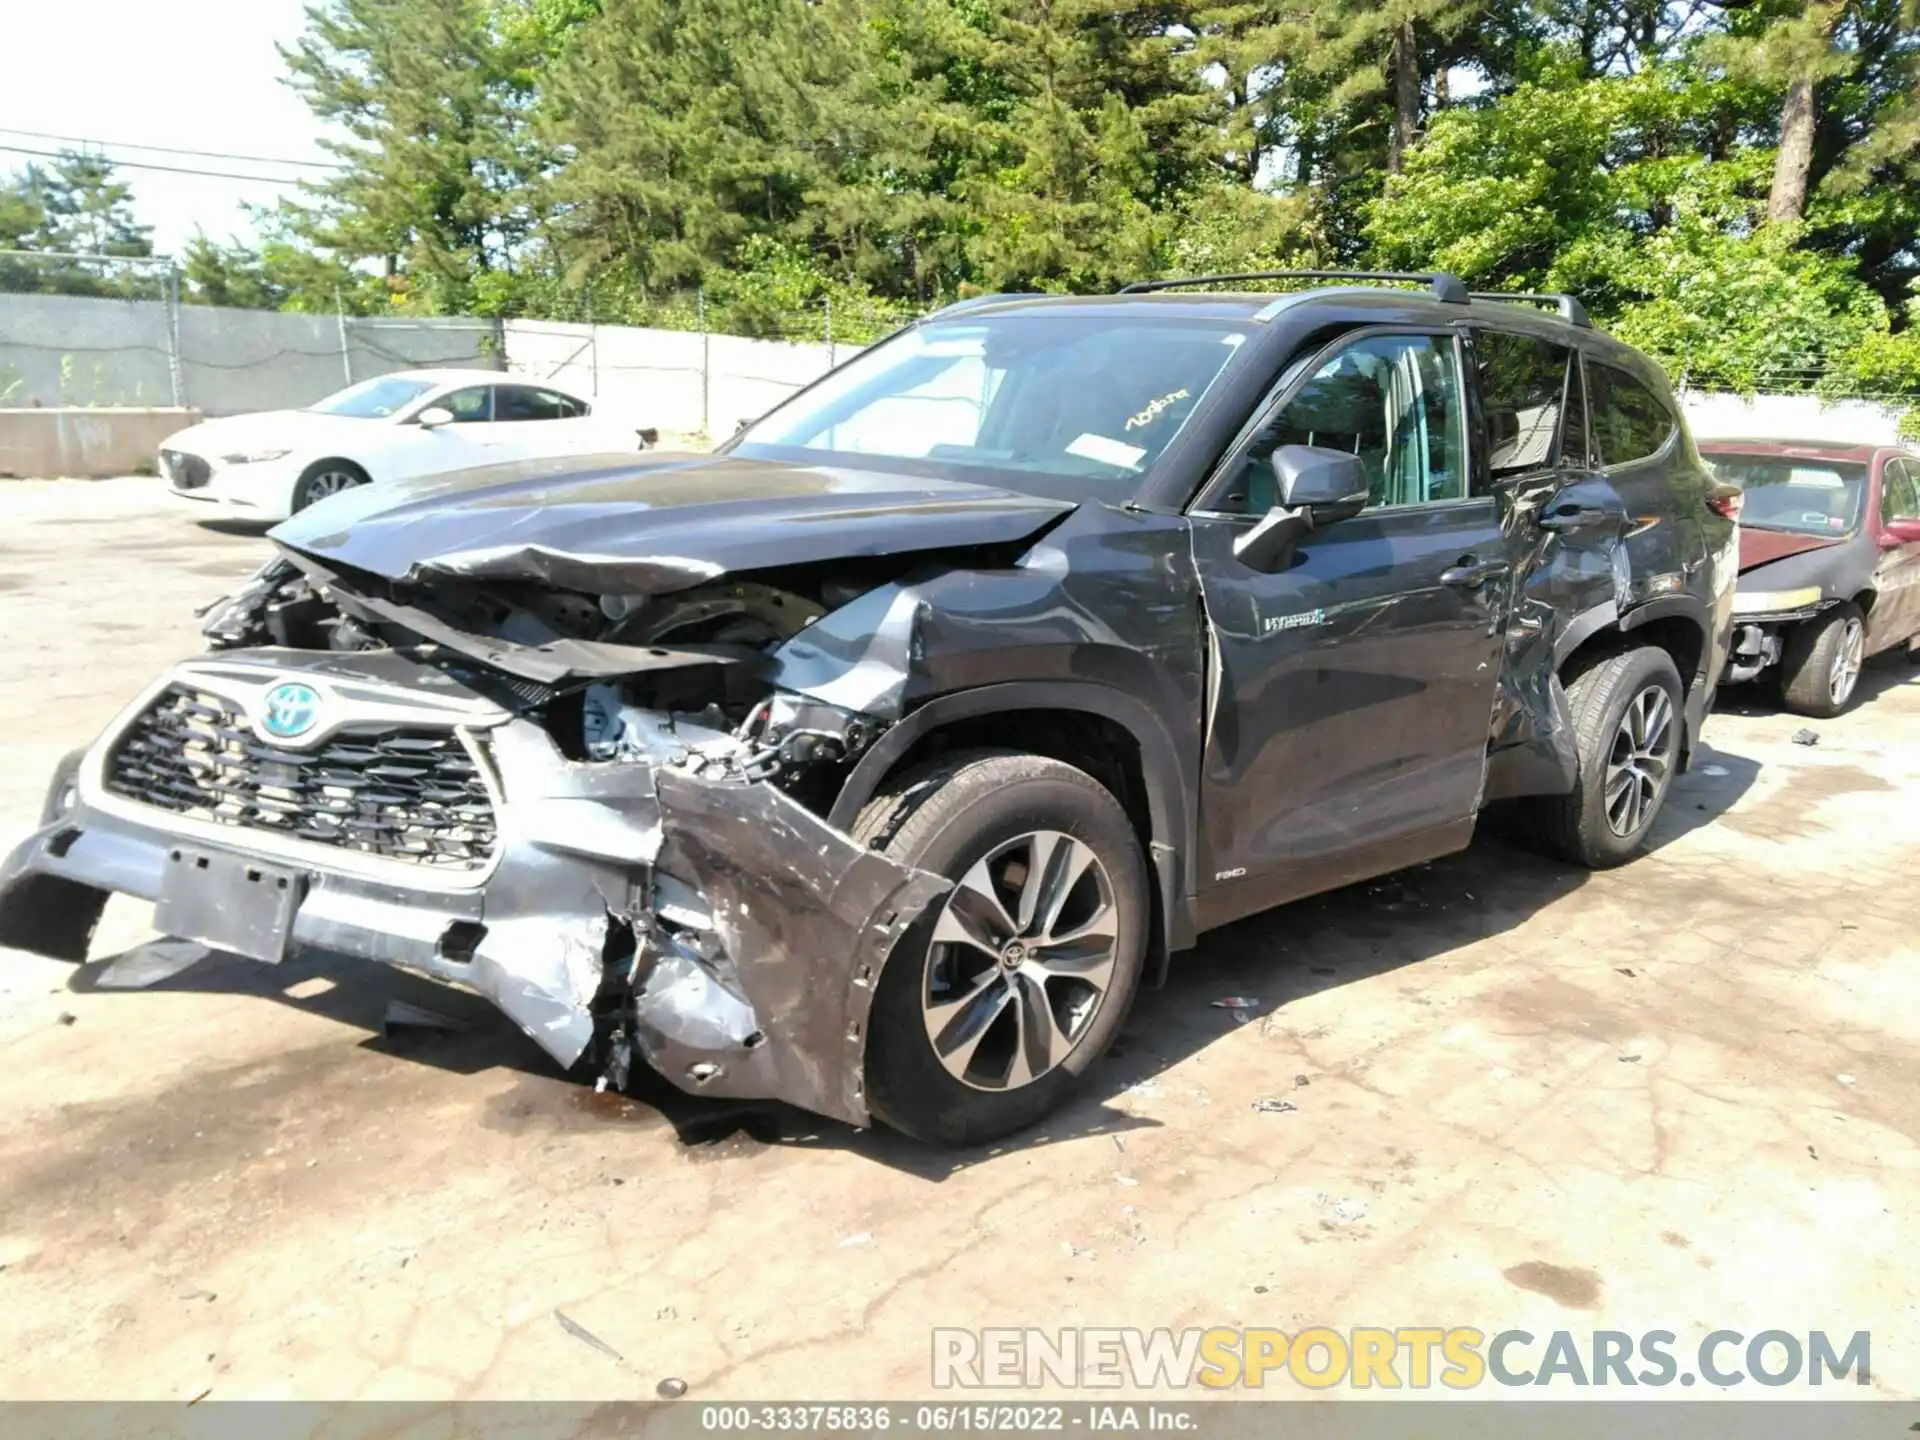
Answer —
413 422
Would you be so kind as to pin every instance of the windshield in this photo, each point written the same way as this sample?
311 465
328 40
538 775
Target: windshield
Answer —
373 399
1068 406
1786 492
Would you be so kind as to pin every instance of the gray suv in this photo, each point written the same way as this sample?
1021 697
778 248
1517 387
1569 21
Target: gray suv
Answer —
874 762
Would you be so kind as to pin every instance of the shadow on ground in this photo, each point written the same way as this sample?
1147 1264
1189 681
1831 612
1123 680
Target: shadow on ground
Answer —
1274 960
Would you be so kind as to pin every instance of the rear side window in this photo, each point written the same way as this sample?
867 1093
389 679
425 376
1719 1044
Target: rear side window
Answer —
524 402
1629 422
1523 381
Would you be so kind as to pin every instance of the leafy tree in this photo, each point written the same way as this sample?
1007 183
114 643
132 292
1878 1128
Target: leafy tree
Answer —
436 97
230 275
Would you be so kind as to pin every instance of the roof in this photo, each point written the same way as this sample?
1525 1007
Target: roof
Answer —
452 376
1802 449
1404 303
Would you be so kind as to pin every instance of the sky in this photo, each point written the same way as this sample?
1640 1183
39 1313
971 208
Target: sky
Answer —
186 74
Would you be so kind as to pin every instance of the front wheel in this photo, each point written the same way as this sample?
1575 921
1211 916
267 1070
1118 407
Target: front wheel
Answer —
325 478
1627 716
1821 667
1013 983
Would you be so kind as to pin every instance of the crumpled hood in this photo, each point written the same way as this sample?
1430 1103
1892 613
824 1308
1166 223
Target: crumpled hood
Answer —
649 525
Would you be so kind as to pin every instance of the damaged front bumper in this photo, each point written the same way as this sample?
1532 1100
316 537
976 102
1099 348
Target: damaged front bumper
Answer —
707 923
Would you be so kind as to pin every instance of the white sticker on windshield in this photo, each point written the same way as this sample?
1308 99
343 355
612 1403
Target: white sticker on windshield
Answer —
1818 479
1107 452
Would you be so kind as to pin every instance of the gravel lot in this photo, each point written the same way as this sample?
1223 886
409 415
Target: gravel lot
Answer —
1684 1095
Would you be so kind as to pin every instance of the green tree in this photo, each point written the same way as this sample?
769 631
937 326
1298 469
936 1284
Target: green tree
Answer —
231 274
442 161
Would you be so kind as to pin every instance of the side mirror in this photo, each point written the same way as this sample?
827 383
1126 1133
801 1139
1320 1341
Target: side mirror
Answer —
1317 486
433 417
1330 484
1899 532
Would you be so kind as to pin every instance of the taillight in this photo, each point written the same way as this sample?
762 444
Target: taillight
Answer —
1726 500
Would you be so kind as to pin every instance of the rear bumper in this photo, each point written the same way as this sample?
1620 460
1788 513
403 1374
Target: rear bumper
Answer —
716 930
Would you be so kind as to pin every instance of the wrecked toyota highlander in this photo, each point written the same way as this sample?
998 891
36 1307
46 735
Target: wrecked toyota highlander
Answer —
874 762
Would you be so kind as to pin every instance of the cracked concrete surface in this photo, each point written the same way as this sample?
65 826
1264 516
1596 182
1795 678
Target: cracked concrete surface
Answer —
1679 1096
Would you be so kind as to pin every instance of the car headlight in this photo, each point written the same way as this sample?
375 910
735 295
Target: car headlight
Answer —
1760 602
254 457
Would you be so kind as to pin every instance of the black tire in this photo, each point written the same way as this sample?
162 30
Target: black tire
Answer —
1808 662
309 490
946 818
1577 826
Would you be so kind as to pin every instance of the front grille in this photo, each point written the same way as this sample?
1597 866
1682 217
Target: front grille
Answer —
186 472
406 794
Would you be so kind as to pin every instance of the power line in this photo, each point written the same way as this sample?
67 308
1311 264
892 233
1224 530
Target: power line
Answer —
168 169
170 150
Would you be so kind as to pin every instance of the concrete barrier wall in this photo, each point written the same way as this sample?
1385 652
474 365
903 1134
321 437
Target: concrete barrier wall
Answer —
88 444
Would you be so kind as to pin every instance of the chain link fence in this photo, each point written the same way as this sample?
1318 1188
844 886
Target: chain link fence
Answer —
129 340
132 341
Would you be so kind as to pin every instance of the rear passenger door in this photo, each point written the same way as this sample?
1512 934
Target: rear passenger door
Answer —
1352 679
532 422
1541 458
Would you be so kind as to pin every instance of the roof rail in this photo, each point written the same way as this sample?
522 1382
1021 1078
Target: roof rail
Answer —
1570 309
1445 287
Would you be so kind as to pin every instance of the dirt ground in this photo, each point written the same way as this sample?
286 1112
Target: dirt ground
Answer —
1683 1095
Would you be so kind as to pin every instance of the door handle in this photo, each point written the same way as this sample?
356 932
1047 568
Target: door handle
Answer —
1572 517
1471 574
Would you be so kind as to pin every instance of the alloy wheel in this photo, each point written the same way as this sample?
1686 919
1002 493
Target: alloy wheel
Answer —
329 482
1848 656
1641 760
1022 956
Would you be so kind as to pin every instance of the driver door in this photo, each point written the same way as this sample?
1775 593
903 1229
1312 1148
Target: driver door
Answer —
1353 679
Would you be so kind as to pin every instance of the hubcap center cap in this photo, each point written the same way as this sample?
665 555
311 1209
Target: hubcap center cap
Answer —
1013 954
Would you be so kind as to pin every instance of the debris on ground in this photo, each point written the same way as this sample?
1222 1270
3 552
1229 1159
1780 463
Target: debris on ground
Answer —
1626 970
1629 1059
1300 1082
1127 1182
1846 1080
1714 771
865 1237
1119 1144
403 1016
1271 1106
1806 737
65 1018
585 1336
197 1295
670 1388
1239 1005
1346 1211
1812 1154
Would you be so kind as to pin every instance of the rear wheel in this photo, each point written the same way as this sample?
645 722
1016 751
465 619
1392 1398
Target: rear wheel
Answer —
324 478
1627 717
1009 987
1820 669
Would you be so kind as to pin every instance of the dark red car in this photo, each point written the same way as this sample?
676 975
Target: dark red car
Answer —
1829 562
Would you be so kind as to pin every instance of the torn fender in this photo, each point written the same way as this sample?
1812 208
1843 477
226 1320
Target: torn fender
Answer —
808 918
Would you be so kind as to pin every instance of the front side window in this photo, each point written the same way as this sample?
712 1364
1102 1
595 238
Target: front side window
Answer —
1785 492
1629 422
1523 381
1077 406
1393 400
378 399
471 406
1900 500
